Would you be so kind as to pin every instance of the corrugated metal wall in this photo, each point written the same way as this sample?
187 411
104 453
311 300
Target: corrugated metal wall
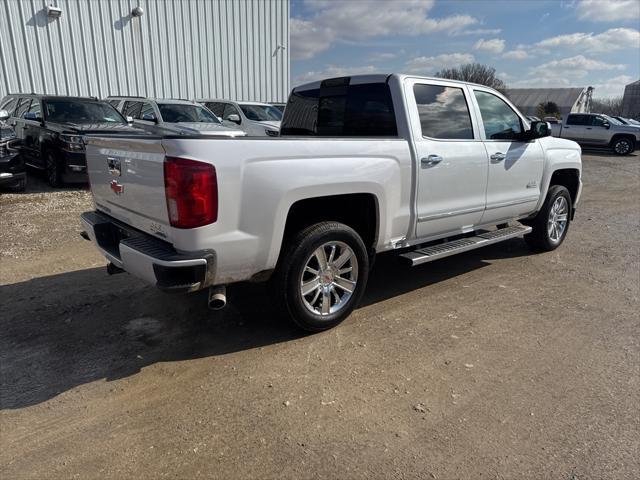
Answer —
176 49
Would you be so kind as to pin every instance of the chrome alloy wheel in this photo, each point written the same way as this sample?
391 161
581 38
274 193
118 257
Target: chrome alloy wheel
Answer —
622 147
329 278
558 218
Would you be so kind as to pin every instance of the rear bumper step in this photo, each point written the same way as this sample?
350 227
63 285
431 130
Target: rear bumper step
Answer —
442 250
146 257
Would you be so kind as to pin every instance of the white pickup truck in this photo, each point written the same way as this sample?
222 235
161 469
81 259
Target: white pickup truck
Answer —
364 164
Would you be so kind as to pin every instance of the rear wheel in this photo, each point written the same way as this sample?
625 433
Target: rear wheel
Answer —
550 226
321 276
53 169
622 146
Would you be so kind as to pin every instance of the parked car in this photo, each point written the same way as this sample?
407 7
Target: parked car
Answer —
279 106
421 166
598 130
628 121
552 120
533 118
170 116
257 119
50 130
13 175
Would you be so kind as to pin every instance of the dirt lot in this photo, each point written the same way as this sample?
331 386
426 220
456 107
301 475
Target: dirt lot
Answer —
494 364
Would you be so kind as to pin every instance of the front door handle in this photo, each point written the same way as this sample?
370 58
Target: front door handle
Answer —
431 160
498 157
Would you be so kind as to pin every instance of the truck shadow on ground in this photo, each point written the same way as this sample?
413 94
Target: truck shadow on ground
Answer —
62 331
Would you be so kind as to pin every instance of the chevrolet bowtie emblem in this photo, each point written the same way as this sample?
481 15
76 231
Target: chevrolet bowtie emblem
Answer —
116 187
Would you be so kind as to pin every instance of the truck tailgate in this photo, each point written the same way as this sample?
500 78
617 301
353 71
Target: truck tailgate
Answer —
127 181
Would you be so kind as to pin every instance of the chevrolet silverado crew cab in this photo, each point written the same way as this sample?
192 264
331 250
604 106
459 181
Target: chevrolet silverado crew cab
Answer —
364 164
598 130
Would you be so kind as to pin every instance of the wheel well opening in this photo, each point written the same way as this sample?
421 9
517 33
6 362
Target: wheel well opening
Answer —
570 179
624 135
357 210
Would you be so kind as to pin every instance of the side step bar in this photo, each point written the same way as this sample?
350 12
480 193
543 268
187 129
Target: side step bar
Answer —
441 250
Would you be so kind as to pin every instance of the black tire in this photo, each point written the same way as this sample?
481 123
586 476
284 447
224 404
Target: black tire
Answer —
622 146
540 238
19 186
53 169
286 283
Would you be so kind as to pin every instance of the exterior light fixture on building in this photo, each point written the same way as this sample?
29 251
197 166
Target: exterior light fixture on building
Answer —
54 12
137 12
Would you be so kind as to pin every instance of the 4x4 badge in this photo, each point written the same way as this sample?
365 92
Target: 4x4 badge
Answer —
116 187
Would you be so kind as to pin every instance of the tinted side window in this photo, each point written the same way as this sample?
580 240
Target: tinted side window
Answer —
443 111
114 103
340 109
23 106
597 121
500 121
147 109
9 105
216 107
578 120
132 109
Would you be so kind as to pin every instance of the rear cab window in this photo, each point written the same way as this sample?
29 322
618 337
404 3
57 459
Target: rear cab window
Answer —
578 120
336 108
443 111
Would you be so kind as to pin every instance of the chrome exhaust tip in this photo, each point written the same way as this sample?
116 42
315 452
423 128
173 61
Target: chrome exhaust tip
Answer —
217 297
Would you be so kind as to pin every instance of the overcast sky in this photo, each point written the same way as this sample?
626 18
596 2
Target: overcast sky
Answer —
556 43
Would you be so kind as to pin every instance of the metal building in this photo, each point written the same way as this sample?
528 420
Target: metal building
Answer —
568 100
631 100
234 49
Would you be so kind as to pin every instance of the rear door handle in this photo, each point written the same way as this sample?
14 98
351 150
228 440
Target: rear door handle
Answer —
498 157
431 160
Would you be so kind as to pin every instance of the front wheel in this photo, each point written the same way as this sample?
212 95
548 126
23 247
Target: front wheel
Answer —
622 146
53 170
550 225
321 275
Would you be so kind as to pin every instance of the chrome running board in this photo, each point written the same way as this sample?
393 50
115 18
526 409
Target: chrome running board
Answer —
441 250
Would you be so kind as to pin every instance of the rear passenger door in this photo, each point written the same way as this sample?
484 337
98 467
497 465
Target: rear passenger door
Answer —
515 164
452 160
575 128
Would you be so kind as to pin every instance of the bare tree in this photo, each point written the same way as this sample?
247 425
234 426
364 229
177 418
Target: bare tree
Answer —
475 73
608 106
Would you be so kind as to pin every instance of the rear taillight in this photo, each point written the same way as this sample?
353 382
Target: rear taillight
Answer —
191 189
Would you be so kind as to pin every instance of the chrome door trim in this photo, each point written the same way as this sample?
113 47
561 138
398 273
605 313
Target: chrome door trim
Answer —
513 202
450 214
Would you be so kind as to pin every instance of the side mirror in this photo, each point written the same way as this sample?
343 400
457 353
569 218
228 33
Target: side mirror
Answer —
219 119
129 119
3 115
149 117
539 130
34 117
234 117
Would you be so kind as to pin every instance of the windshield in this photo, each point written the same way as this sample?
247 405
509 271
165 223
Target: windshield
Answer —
180 112
632 121
612 120
81 112
261 113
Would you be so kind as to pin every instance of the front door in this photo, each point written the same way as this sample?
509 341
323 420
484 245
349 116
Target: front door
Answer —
32 133
452 161
515 165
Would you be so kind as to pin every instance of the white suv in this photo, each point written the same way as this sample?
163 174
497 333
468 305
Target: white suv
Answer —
169 116
257 119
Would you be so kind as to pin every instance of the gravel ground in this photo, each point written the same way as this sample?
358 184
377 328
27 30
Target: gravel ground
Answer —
494 364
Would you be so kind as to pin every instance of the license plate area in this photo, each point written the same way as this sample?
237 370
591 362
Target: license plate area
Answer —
109 235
